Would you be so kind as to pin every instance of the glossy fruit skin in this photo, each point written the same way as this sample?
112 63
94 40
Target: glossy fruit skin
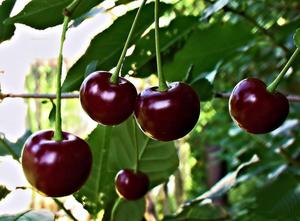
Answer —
56 168
131 185
168 115
105 102
255 109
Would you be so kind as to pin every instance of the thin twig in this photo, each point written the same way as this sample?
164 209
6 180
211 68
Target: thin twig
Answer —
38 96
253 21
288 157
9 149
291 98
61 206
225 95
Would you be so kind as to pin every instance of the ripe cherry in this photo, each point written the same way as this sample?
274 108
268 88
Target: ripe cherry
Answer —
255 109
106 102
56 168
132 185
168 115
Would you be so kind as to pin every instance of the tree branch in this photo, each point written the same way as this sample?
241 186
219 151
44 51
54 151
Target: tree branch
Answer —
291 98
225 95
253 21
288 157
38 96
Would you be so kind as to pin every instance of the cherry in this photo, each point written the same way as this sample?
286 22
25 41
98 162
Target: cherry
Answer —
255 109
168 115
56 168
106 102
132 185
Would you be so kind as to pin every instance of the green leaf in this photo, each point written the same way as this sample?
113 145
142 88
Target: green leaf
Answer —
16 147
143 57
217 6
98 192
31 215
157 159
125 210
279 198
6 31
283 32
3 192
93 12
106 47
203 88
41 14
225 184
52 113
297 38
206 48
199 212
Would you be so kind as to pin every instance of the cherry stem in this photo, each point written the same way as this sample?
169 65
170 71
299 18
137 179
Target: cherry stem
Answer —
135 146
162 86
272 87
69 10
68 212
115 76
58 136
114 209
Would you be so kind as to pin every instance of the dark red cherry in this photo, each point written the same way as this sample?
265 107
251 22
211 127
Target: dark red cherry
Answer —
255 109
106 102
168 115
132 185
56 168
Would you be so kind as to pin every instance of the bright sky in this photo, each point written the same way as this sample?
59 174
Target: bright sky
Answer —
16 56
23 49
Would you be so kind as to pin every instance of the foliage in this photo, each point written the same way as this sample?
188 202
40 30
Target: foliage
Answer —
212 45
41 215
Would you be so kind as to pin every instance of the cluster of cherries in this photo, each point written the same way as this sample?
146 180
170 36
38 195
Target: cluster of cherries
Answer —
163 115
60 166
53 167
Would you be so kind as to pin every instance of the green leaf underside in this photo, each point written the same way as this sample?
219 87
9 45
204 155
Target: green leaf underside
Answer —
225 184
41 14
31 215
297 38
198 209
6 31
203 88
106 47
129 210
280 198
16 147
157 159
98 192
206 47
3 192
143 56
199 212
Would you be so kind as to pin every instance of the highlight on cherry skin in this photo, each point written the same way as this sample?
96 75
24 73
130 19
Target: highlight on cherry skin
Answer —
255 109
56 168
131 185
105 102
168 115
